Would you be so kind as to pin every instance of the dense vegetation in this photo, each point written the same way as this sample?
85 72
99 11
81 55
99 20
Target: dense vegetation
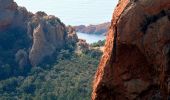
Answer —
69 78
65 76
99 43
10 42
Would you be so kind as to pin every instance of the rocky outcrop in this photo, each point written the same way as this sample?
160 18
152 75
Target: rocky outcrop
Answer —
7 12
35 36
82 46
100 29
21 58
136 61
48 34
72 37
12 16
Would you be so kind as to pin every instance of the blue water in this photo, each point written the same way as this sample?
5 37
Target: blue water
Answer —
74 12
90 38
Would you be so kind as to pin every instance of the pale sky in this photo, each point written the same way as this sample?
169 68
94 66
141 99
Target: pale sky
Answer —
73 12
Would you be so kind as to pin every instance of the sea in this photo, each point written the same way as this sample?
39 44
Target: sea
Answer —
90 38
75 12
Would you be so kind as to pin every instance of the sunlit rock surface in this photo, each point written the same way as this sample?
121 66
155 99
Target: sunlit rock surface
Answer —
136 61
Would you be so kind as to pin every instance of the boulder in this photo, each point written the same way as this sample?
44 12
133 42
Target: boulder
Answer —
21 58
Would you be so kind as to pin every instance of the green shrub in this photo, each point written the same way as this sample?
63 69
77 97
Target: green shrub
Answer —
68 78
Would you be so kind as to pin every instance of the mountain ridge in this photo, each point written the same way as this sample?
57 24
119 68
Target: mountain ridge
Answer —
98 29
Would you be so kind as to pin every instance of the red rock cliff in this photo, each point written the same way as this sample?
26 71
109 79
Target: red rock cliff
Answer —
136 60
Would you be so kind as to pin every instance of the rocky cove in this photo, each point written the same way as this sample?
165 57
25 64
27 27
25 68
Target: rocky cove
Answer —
41 58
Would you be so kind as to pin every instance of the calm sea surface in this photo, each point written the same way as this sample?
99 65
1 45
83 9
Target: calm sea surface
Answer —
90 38
75 12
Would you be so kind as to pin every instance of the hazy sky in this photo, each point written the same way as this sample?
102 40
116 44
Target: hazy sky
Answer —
73 12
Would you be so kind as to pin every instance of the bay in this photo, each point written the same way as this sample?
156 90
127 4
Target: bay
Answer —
90 38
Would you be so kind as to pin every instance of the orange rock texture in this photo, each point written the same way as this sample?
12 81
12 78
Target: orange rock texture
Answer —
136 61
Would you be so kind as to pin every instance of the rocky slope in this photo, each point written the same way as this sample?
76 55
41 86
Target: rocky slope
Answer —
94 29
35 37
136 60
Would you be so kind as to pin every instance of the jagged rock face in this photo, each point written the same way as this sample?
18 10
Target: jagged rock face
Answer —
72 37
39 35
12 16
7 12
136 60
82 46
12 28
48 34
